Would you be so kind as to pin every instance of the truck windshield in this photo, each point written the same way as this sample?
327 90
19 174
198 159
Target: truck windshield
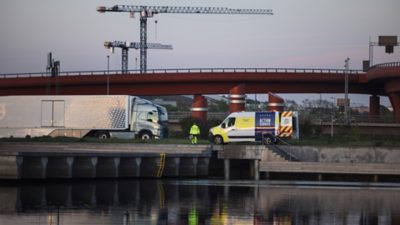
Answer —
162 112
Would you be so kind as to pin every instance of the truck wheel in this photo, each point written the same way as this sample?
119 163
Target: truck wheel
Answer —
103 135
218 140
145 135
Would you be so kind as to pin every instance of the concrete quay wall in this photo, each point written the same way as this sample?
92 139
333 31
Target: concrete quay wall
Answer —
65 161
345 154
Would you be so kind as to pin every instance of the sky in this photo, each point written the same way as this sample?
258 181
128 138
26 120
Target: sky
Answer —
300 34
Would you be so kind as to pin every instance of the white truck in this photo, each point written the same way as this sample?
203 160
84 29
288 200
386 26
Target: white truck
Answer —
101 116
265 127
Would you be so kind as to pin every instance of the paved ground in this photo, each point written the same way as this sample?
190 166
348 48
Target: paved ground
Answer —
12 149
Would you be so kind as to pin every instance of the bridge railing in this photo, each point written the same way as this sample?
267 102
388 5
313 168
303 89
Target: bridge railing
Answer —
385 65
185 70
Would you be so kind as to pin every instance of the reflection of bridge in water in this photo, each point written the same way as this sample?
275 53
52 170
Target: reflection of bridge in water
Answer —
381 80
175 202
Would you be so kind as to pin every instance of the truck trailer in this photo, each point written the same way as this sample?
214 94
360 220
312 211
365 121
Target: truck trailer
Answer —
101 116
266 127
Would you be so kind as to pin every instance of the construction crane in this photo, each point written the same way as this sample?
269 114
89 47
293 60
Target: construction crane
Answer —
148 12
125 46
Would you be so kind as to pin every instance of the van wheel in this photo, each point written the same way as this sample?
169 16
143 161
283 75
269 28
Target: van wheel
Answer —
267 141
218 140
102 135
145 135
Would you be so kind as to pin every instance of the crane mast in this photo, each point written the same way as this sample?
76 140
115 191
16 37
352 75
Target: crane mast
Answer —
148 12
125 46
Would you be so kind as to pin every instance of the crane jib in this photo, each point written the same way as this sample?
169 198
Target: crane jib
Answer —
182 9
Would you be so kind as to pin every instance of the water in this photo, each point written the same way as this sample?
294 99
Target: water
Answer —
194 202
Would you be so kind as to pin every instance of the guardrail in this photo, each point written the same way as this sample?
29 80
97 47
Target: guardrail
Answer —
185 70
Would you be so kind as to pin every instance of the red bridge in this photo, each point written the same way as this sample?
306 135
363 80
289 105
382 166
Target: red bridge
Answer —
380 80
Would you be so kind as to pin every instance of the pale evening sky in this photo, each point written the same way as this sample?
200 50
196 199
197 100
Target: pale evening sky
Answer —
300 34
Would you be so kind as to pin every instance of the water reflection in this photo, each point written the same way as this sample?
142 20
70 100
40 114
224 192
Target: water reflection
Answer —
173 202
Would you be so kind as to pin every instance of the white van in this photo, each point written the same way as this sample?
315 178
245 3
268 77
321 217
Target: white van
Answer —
262 127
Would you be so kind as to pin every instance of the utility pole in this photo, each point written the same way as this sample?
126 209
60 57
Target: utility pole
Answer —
346 90
108 74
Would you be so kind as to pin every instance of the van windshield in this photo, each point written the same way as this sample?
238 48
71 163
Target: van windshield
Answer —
229 122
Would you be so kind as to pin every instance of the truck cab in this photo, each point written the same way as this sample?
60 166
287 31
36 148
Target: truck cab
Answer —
148 120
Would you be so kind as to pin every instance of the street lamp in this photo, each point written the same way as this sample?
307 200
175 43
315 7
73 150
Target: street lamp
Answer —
108 74
333 114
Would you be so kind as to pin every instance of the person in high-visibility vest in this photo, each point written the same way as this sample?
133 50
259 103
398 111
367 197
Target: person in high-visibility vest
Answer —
194 133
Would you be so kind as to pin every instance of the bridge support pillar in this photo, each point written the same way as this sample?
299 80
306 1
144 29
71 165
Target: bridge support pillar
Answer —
395 100
275 102
373 107
237 98
199 108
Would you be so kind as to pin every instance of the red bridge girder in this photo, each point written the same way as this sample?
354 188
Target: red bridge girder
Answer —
188 83
380 80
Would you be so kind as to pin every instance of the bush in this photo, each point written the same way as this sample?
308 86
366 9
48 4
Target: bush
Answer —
309 130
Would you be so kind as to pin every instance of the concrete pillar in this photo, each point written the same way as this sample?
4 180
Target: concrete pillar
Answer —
199 108
227 169
84 167
395 100
256 169
130 167
70 162
34 167
138 161
20 160
59 167
373 107
188 167
44 161
150 166
93 161
275 103
237 98
202 166
177 162
171 168
107 167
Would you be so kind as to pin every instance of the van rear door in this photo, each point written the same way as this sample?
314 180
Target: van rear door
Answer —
266 123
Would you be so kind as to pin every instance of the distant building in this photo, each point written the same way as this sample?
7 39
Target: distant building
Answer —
361 109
